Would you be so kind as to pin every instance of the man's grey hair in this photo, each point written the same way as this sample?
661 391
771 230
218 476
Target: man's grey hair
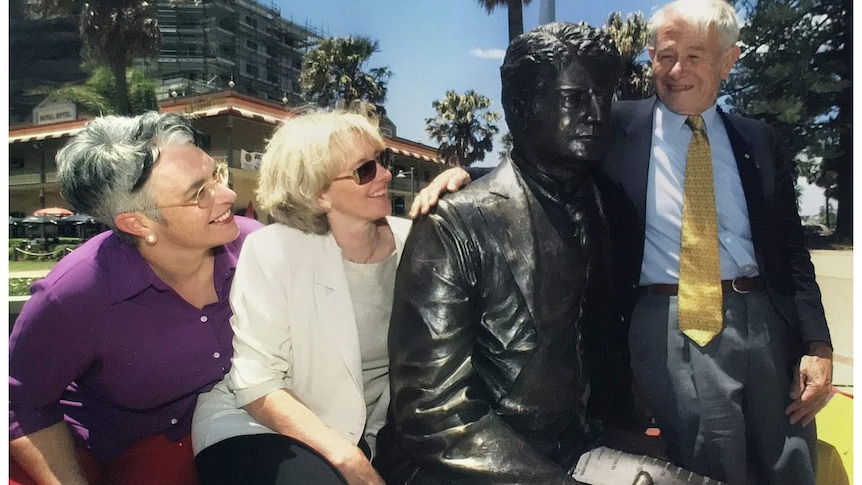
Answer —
700 15
98 168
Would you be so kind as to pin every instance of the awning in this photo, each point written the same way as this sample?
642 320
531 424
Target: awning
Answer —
48 135
245 113
411 154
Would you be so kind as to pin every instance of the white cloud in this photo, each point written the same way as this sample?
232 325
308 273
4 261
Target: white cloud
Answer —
488 53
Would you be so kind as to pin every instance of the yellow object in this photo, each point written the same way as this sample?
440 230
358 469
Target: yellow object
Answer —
700 304
835 441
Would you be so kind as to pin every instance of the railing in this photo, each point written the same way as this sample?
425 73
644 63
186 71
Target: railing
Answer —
32 178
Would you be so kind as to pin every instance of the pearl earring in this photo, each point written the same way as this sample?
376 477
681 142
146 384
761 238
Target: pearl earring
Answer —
151 239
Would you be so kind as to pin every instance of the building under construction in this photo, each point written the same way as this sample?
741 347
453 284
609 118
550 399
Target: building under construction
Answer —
242 45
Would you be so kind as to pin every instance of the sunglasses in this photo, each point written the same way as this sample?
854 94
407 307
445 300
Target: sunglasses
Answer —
205 195
367 171
152 154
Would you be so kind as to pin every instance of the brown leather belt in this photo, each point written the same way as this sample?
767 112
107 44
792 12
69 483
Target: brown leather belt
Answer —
738 285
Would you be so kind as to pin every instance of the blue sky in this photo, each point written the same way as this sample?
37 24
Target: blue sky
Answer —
437 45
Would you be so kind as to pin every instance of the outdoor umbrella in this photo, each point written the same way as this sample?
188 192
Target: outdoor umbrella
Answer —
78 225
14 226
39 226
53 211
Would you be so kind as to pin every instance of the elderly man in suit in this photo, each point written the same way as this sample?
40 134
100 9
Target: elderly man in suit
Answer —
734 400
497 323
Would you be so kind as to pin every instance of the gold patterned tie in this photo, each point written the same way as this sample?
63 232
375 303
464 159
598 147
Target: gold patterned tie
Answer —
700 311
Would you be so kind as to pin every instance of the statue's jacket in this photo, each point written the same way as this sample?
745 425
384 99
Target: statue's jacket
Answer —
489 384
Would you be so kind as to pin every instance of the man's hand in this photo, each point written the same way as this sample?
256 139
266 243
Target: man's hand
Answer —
450 180
811 384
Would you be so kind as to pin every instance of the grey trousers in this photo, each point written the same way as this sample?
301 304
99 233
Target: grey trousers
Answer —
721 407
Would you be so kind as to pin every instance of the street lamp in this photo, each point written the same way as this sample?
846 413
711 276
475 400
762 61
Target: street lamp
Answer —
403 174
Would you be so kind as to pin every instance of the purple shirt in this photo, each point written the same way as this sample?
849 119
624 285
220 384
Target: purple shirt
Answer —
108 346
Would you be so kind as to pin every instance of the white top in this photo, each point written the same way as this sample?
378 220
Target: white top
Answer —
294 328
669 150
371 293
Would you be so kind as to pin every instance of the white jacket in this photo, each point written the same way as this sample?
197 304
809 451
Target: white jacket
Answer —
294 328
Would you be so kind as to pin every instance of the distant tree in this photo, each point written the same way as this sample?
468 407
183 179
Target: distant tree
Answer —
464 127
115 32
515 10
631 38
507 142
795 73
97 94
45 9
334 72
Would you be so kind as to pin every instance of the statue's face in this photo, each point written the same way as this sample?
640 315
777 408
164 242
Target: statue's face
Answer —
569 129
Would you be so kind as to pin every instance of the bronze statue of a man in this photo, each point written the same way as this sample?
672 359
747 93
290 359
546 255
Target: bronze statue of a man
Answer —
500 347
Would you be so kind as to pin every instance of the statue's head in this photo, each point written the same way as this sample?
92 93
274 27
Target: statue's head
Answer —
558 81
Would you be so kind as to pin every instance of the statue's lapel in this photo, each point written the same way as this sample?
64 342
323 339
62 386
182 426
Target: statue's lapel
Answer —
508 219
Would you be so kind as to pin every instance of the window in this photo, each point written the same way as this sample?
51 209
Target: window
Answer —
251 45
16 163
251 70
398 206
251 21
272 78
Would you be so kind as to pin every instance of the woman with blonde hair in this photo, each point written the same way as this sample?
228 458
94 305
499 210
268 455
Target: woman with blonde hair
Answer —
312 294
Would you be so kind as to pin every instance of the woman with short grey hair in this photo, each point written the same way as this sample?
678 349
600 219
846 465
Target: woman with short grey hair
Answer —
111 351
309 385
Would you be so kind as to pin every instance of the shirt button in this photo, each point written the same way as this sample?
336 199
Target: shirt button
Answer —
204 318
174 421
217 355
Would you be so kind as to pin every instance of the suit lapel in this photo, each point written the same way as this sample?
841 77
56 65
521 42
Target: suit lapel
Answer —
334 310
749 171
508 218
630 156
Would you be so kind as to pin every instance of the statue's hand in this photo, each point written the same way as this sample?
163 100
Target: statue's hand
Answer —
448 181
643 478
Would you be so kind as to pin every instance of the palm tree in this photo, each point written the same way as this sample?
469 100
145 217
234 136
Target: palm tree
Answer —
463 126
96 95
515 9
115 32
631 39
334 72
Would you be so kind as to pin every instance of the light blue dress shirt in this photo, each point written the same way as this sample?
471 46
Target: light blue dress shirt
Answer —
669 149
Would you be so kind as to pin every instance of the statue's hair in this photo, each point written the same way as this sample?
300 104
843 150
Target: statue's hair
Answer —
98 168
699 15
534 58
302 159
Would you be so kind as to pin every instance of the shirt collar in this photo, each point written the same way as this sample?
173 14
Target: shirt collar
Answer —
670 122
131 274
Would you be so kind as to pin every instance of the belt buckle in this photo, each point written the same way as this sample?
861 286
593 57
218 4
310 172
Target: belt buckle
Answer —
733 285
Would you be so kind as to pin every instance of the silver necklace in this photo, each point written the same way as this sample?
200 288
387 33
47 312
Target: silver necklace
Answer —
373 247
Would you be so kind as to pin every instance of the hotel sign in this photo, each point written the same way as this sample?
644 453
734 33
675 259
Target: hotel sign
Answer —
54 112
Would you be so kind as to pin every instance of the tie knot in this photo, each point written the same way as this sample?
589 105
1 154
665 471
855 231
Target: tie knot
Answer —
695 123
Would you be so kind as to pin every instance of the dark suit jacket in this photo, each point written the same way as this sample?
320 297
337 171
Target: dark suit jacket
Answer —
767 181
462 330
